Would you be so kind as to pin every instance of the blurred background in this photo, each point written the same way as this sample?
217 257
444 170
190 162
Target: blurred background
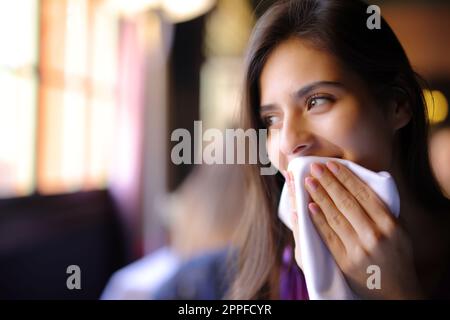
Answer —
90 91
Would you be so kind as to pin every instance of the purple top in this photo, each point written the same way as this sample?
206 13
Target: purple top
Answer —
292 280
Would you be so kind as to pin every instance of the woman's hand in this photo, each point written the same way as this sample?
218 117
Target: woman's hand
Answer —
360 232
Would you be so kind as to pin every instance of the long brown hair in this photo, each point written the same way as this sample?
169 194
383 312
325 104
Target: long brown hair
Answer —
339 27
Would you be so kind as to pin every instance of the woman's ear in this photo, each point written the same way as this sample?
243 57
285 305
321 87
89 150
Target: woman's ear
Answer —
401 113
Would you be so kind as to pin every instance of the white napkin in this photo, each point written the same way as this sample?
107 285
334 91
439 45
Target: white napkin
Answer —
324 279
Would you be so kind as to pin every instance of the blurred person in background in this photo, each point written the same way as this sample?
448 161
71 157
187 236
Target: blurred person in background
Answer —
202 215
211 204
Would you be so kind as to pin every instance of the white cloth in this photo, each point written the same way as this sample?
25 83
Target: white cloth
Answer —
324 279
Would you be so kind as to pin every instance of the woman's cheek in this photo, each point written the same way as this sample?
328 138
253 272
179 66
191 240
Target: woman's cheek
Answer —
358 139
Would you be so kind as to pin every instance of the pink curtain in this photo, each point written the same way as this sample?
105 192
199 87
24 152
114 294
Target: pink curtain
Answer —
126 184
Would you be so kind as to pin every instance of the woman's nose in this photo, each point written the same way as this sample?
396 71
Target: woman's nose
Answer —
296 138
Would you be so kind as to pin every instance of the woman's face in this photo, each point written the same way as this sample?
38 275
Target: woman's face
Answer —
320 109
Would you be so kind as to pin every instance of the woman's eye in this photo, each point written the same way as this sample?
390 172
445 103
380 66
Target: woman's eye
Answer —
317 102
270 120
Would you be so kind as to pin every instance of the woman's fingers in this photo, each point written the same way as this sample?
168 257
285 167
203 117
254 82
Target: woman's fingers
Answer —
328 235
344 201
366 197
334 218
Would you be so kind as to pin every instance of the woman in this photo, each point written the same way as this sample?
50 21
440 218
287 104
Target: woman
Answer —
324 84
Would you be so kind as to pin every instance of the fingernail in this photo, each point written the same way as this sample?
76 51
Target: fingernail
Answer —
316 170
333 166
311 183
314 208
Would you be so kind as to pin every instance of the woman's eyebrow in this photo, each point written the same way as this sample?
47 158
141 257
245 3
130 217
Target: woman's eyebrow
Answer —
303 92
314 85
267 108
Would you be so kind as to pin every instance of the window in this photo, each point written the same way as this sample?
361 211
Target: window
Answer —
56 129
77 102
18 89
